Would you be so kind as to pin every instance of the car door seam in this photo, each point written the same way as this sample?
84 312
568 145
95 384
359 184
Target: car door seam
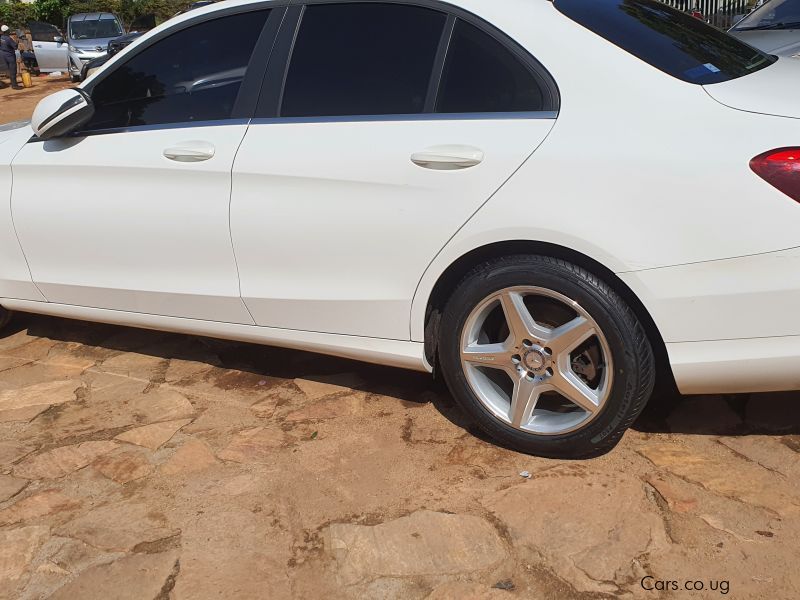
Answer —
230 228
14 224
472 216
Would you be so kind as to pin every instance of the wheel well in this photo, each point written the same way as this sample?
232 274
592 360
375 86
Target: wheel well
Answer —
456 272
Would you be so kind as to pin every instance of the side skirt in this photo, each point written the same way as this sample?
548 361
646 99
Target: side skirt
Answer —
393 353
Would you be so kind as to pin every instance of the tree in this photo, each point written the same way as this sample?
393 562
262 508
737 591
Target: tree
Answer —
51 11
16 14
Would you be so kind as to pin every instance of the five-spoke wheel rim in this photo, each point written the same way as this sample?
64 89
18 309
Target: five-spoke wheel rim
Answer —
537 360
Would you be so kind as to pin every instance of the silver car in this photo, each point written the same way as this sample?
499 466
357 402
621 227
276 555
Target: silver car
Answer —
88 35
774 27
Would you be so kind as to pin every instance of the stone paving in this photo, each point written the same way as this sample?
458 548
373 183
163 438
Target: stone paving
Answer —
143 465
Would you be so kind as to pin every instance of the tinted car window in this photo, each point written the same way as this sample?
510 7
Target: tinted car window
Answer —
192 75
482 75
674 42
43 32
362 59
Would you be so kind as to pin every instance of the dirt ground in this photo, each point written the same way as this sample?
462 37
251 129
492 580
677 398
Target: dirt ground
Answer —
18 105
144 465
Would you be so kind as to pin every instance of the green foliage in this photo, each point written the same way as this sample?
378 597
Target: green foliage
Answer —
16 14
162 9
51 11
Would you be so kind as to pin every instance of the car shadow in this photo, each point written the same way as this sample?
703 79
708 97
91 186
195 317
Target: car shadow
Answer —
667 412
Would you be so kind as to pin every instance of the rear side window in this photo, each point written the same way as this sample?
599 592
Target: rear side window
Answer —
481 75
190 75
362 59
672 41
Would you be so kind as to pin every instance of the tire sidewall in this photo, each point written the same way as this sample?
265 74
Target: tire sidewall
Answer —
605 307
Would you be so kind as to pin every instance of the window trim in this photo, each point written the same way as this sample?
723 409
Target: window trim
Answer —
271 98
439 63
269 104
261 94
476 116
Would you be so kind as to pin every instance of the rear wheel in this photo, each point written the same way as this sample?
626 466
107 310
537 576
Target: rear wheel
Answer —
5 317
546 357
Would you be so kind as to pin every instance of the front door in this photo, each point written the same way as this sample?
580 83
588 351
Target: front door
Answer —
51 54
368 167
132 214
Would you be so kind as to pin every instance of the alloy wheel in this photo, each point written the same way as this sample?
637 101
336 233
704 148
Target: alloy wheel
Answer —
536 360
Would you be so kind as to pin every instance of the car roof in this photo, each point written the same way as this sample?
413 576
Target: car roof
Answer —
102 16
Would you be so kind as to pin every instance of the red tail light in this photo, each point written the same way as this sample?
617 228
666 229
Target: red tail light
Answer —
781 169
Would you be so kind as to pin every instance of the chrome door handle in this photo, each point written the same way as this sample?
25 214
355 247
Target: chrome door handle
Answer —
448 158
193 151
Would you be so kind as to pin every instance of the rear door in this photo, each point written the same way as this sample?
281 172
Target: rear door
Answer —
51 55
395 124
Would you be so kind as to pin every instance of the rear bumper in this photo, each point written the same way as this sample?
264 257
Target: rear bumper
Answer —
730 325
736 366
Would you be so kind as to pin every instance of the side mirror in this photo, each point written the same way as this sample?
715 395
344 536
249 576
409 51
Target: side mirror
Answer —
61 113
58 39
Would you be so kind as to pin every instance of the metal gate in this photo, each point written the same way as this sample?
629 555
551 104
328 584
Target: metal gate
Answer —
720 13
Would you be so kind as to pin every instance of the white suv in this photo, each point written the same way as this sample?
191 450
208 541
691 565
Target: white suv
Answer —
549 203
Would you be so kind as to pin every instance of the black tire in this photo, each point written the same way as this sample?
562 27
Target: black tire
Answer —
5 317
632 355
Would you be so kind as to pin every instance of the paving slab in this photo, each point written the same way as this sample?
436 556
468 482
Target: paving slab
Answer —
170 466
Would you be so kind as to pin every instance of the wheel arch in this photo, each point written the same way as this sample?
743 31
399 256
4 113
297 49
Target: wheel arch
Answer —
457 269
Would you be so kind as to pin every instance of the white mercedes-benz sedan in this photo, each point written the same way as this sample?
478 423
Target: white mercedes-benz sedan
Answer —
547 202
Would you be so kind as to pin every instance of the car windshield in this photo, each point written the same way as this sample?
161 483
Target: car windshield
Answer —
671 41
775 14
94 29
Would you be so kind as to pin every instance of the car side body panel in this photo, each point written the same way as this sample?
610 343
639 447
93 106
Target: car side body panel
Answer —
394 353
736 366
730 326
648 188
720 300
772 91
15 277
144 233
333 223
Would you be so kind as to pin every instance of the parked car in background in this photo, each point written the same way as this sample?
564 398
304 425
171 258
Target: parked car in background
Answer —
25 53
774 27
50 48
88 35
546 232
92 66
749 10
139 26
119 43
114 46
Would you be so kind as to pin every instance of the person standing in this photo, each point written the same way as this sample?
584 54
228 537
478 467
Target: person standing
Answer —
8 55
